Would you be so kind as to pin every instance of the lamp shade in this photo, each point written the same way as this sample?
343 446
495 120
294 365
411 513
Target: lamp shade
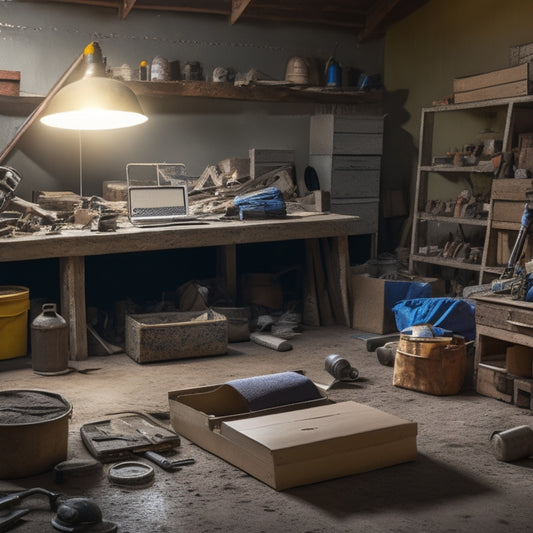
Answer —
94 103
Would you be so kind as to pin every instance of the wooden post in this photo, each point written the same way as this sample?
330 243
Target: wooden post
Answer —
227 268
72 278
311 314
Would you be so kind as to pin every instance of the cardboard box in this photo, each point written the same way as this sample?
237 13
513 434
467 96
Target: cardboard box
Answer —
175 335
295 444
370 311
503 83
10 82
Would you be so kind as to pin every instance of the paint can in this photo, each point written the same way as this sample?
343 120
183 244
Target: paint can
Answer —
512 444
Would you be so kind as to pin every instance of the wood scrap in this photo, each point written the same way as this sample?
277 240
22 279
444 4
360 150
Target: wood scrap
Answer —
316 201
24 206
210 173
58 200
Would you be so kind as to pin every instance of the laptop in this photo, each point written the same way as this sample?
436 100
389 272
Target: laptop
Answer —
157 194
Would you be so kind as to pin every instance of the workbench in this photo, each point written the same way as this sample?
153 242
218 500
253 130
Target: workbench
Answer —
71 246
502 322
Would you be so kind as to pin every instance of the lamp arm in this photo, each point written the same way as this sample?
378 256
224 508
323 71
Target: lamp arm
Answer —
40 108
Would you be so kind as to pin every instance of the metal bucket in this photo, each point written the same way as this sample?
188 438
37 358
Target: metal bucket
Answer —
33 432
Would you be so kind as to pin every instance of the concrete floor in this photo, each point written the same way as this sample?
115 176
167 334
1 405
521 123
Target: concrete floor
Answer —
456 484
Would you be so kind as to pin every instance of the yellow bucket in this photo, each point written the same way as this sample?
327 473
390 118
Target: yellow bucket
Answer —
14 306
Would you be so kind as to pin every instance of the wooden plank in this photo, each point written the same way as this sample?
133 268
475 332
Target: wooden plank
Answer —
72 288
490 79
508 90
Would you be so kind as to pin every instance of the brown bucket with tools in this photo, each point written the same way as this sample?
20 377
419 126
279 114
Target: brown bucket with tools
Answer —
434 365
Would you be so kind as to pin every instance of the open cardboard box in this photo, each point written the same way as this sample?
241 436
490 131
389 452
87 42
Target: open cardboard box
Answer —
294 444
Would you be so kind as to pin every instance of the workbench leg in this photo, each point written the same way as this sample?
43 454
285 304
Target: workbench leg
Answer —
227 269
72 278
341 249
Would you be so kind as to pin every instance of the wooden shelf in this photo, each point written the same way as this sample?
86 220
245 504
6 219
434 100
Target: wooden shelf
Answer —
497 271
24 105
453 220
19 105
252 92
453 169
443 262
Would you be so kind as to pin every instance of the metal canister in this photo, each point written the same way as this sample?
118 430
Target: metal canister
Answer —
340 368
49 342
512 444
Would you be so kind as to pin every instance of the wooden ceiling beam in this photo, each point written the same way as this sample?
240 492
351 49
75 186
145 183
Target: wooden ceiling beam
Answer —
375 16
237 9
125 7
367 18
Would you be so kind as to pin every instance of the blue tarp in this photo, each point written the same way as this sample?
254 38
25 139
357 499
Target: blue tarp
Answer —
447 313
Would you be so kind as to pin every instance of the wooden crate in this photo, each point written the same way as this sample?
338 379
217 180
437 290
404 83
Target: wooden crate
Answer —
511 189
503 83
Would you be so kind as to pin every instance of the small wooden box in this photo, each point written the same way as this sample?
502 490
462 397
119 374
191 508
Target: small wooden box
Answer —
10 82
503 83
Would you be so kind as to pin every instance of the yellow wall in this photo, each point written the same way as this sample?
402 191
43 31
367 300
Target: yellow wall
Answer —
446 39
424 52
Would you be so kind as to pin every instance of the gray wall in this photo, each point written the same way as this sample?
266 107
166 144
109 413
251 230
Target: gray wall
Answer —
43 40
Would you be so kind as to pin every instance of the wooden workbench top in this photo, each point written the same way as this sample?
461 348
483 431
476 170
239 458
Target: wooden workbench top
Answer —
127 238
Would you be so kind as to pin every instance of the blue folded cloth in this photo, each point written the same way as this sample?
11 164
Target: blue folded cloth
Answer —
274 390
264 203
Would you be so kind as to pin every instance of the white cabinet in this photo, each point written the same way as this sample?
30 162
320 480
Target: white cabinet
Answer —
345 151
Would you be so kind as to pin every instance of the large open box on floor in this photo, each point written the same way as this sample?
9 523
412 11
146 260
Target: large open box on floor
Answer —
294 444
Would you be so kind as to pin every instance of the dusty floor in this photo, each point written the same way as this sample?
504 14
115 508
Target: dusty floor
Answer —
456 484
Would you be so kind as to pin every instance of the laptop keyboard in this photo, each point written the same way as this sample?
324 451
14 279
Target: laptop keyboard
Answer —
158 211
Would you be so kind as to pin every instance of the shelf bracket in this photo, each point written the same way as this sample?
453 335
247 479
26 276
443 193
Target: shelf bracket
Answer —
237 9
